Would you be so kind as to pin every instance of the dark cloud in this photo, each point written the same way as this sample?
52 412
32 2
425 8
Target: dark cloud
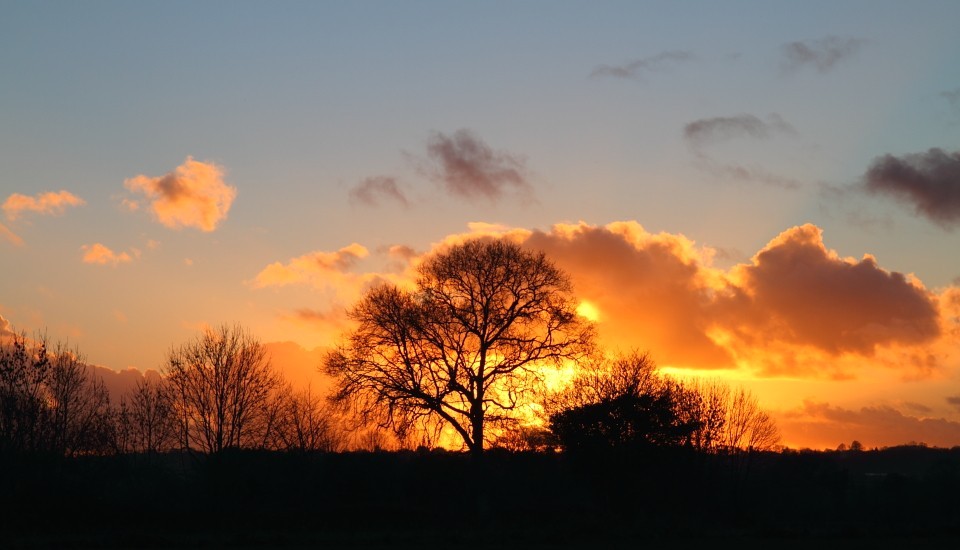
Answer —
469 169
372 191
954 400
637 68
821 54
929 181
707 130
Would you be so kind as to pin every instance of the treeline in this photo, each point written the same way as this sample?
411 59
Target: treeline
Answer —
220 391
217 392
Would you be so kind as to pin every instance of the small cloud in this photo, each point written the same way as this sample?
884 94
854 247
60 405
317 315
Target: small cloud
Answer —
637 68
305 268
371 191
10 236
187 262
821 54
120 316
193 195
152 244
929 181
469 169
954 401
709 130
97 253
952 97
48 203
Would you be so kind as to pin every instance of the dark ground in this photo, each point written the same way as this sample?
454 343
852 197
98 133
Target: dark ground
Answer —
904 497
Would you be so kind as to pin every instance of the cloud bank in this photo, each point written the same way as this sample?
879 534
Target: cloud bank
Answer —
193 195
49 203
930 182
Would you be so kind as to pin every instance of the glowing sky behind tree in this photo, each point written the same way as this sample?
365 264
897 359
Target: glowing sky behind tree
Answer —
763 192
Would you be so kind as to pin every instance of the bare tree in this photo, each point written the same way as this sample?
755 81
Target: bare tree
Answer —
220 385
466 347
24 372
81 419
305 422
748 427
147 417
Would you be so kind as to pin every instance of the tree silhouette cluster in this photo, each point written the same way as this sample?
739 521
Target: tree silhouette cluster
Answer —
217 392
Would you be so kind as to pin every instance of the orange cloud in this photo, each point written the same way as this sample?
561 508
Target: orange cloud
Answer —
193 195
48 203
311 267
97 253
797 292
796 308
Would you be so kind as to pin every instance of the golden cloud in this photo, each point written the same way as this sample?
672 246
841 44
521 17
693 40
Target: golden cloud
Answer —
193 195
315 267
49 203
97 253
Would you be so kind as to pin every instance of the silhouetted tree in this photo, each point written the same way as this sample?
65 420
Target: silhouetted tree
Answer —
24 373
621 403
306 423
221 384
81 419
147 417
465 347
51 400
747 426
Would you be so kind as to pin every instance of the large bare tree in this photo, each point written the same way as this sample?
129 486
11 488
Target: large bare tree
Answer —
221 385
465 347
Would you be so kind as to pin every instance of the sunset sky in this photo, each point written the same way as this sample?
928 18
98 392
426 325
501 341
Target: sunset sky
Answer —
764 192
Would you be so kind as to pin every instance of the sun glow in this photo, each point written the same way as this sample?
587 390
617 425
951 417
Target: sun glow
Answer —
588 311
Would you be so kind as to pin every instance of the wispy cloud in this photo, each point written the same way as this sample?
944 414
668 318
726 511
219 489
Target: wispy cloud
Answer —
371 191
10 236
470 169
701 133
640 67
710 130
952 97
49 203
193 195
823 54
100 254
928 181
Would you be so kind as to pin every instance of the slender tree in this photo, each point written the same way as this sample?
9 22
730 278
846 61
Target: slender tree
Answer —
220 387
464 348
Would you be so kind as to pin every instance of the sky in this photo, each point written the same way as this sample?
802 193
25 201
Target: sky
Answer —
765 193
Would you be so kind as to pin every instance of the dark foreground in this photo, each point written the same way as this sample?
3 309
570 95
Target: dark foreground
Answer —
898 497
